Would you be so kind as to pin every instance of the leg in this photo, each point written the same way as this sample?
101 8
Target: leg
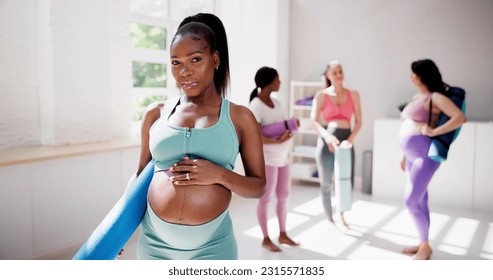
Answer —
413 249
343 221
325 166
263 206
420 174
420 171
283 191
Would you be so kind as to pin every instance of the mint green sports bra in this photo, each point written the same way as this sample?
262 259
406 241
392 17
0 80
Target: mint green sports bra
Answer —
218 143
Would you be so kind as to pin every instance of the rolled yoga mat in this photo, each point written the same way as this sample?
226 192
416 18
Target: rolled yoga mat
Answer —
342 179
120 223
275 130
440 145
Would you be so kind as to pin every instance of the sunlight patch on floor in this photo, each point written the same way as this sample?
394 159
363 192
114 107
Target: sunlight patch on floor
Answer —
487 256
459 237
368 214
326 239
312 207
293 220
488 242
438 223
401 224
452 250
397 239
365 252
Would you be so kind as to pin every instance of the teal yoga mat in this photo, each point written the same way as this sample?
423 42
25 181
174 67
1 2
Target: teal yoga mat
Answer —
342 179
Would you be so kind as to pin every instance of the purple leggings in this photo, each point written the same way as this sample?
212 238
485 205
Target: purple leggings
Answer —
420 170
278 180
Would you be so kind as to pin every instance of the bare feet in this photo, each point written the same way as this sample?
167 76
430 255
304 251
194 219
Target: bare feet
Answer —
267 244
424 252
343 221
410 250
284 239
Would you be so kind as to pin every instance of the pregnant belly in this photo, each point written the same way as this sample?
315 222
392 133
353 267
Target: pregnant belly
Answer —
189 205
410 127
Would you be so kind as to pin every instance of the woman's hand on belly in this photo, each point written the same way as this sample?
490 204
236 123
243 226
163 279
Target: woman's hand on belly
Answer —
190 172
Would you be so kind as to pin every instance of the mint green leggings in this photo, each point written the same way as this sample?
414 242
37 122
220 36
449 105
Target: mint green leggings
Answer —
160 240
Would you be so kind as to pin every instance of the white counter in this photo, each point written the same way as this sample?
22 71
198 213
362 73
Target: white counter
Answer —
465 180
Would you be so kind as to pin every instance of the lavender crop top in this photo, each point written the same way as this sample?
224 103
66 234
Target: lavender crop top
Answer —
416 110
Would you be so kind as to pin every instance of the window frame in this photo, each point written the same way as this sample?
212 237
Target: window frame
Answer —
152 55
155 56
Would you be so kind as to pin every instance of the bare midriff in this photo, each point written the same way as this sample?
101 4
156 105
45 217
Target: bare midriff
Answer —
338 124
188 205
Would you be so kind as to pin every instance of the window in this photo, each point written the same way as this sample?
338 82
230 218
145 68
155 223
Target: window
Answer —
153 23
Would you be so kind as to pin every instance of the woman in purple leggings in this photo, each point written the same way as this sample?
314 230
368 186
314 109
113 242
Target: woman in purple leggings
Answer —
268 110
415 139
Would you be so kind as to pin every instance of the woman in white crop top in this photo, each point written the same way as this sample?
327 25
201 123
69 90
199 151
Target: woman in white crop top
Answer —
268 110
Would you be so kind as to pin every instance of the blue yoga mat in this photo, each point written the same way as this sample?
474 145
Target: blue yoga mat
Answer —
440 145
118 226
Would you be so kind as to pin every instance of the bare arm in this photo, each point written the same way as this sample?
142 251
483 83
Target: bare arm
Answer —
443 104
357 116
253 183
315 117
151 115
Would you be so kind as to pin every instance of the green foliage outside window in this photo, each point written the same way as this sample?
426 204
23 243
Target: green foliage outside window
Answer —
141 103
149 74
148 37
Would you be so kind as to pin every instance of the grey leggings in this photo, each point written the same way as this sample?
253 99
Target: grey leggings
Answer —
325 166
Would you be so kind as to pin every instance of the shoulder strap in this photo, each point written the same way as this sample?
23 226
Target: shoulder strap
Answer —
224 111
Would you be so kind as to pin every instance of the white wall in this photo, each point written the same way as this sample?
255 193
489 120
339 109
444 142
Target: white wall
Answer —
258 35
376 41
66 70
18 81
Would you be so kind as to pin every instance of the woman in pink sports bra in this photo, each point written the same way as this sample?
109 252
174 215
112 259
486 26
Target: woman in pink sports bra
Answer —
332 112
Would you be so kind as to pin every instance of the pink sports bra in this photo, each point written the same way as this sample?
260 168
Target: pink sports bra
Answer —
331 111
416 111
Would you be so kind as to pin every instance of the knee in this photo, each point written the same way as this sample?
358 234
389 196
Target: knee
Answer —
412 204
264 199
283 195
